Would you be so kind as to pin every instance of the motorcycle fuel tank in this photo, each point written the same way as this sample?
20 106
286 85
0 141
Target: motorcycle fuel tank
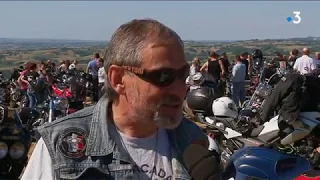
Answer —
265 164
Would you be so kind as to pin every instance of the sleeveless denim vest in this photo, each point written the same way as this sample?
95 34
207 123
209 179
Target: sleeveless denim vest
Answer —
100 156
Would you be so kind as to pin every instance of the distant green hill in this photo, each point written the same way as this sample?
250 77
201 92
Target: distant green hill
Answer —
13 52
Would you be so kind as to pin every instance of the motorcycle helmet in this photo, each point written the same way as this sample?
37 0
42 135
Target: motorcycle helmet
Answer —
197 79
200 100
224 107
257 54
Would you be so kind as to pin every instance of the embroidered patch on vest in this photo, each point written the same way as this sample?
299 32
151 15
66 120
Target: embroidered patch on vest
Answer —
72 142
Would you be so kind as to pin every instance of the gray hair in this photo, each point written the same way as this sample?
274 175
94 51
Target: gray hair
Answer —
128 41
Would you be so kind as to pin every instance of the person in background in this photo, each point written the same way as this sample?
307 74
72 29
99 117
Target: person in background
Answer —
195 66
26 65
73 65
43 78
250 61
29 77
213 66
224 80
292 58
53 66
238 81
278 56
62 67
137 131
67 63
305 64
284 58
283 62
245 61
317 59
317 62
24 85
317 56
92 69
101 77
41 68
225 61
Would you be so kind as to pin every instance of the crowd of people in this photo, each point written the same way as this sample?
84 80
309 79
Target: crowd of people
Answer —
218 67
42 73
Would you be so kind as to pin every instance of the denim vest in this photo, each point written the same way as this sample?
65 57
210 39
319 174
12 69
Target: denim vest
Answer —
103 157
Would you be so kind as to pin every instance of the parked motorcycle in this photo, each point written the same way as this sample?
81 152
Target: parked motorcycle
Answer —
232 132
66 96
263 89
15 140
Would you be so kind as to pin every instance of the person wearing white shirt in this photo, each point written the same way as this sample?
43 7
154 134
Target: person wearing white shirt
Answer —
101 79
73 65
305 64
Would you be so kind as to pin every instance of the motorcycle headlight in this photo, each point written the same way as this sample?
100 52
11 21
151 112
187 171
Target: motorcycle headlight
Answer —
17 150
3 150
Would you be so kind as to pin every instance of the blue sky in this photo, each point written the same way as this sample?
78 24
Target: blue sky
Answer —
192 20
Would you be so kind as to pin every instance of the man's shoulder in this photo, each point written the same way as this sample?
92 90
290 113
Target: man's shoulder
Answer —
77 119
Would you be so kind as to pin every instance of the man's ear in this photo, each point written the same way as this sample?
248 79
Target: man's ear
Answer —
115 78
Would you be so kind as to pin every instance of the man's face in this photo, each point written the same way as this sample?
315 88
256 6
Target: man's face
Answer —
153 104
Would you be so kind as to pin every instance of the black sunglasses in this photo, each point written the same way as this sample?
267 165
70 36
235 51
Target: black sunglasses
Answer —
160 77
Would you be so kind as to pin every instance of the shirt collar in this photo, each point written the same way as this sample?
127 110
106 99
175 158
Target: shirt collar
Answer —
99 142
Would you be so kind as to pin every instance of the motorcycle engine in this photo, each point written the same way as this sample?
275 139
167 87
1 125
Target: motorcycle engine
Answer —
310 149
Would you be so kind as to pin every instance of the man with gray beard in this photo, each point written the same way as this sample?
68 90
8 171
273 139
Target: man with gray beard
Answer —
136 131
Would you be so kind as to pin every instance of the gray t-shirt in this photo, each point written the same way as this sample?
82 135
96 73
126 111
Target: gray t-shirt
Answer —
152 155
239 73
